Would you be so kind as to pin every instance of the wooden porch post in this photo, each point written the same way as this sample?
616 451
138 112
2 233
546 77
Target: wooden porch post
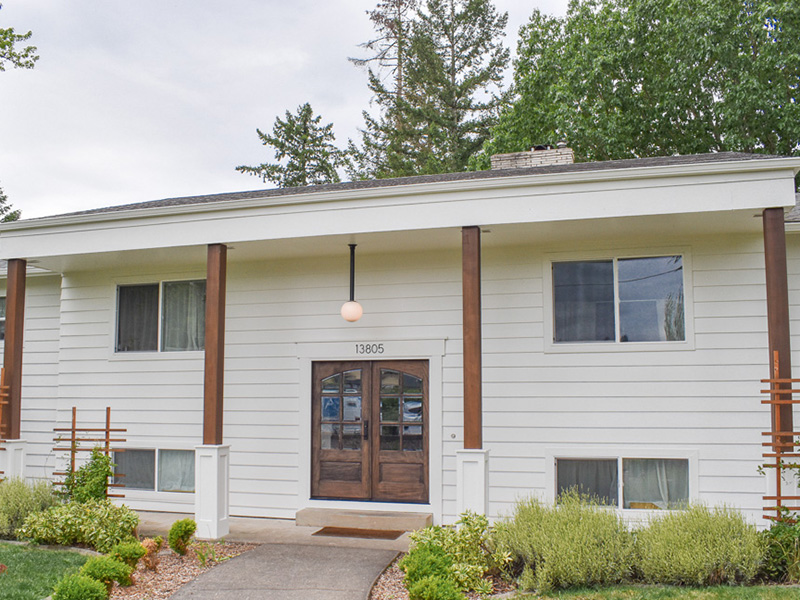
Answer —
471 282
215 344
12 353
778 307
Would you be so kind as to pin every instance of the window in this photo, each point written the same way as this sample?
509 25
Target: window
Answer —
2 318
173 470
647 483
619 300
181 306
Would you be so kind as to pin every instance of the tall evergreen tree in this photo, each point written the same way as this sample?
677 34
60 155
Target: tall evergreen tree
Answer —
304 149
22 58
440 110
636 78
453 79
386 65
7 212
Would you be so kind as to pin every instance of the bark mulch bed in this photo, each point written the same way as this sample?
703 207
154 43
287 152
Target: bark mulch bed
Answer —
174 571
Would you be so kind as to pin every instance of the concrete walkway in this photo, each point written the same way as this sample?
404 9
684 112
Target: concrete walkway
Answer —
290 563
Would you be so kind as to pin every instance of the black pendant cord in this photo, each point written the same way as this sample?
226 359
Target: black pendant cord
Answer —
352 272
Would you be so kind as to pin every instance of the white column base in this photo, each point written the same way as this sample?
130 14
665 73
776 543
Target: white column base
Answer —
472 481
211 508
12 459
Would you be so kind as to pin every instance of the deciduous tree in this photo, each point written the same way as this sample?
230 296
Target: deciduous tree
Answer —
11 53
635 78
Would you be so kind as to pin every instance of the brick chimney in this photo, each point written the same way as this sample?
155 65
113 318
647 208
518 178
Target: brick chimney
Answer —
539 156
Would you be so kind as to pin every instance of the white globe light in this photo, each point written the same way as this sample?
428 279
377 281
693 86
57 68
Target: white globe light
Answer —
352 311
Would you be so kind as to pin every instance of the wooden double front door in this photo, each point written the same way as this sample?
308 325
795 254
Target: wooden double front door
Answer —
370 430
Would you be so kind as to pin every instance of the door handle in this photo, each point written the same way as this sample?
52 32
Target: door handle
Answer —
366 429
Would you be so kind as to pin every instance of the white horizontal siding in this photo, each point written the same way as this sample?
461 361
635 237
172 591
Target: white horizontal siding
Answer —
703 400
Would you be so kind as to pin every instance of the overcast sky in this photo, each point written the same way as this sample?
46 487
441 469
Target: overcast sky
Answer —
134 101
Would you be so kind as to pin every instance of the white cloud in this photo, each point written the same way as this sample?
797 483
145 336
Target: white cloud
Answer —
133 101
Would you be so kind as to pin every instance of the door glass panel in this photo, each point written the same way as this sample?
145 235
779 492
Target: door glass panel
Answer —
412 409
411 384
330 408
412 438
351 437
390 382
352 408
329 436
390 437
330 385
352 382
390 409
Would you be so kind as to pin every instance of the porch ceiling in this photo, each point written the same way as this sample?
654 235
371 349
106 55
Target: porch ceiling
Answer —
555 235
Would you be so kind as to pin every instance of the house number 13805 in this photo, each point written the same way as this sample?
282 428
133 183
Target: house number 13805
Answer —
369 348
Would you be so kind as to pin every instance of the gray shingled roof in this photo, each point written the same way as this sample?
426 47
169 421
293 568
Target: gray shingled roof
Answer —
420 179
793 216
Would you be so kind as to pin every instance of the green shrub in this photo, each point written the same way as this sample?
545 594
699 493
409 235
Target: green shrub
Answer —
699 546
782 559
98 524
468 546
179 535
80 587
573 544
90 481
107 570
431 587
128 552
18 499
426 560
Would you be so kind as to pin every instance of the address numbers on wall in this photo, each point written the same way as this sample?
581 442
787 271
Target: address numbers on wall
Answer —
369 348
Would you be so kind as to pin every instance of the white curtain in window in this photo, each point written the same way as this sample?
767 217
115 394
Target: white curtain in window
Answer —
175 471
655 482
592 477
184 315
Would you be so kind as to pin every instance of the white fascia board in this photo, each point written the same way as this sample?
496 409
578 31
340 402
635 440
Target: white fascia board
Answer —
694 188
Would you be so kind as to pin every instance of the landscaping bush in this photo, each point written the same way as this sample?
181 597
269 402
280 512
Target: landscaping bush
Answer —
128 553
80 587
782 559
18 499
90 481
575 543
179 535
425 560
467 546
98 524
107 570
699 546
431 587
151 547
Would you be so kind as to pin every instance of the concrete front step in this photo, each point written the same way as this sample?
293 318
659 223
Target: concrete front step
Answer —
358 519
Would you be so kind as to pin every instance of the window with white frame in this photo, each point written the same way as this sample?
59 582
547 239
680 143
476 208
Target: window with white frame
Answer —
169 316
646 483
155 470
619 300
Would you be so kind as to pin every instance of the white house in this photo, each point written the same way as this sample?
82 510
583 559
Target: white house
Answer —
524 330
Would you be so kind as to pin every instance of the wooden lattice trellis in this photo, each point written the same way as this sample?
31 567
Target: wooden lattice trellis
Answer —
88 435
5 394
783 445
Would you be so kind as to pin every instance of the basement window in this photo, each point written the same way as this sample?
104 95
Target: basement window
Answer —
619 300
171 470
646 483
168 317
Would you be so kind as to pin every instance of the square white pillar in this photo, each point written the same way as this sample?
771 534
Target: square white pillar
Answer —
211 508
12 458
472 481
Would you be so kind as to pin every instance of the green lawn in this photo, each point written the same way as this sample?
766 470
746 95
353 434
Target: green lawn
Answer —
654 592
32 572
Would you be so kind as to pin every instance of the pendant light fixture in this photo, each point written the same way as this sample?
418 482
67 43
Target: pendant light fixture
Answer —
351 310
